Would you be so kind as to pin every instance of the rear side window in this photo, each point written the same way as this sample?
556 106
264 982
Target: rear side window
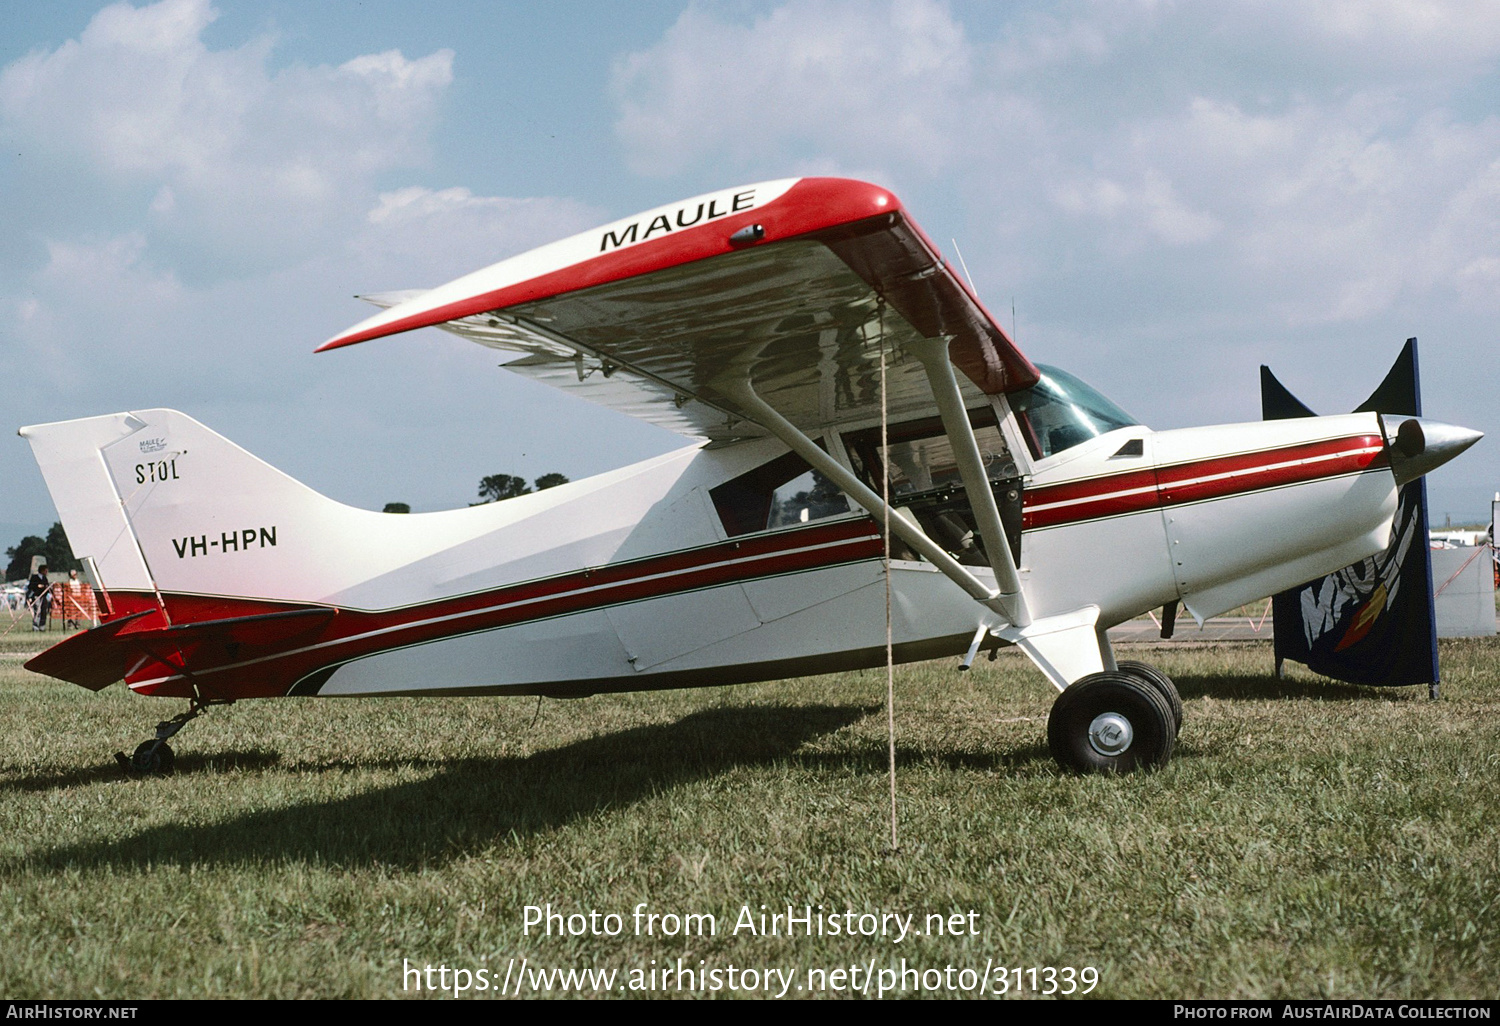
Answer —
782 493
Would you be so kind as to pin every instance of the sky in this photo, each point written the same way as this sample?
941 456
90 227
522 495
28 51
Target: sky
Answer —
1169 194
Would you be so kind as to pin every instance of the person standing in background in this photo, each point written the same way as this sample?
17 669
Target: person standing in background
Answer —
73 608
39 598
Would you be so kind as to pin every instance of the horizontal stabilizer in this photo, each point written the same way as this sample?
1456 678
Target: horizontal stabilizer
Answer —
93 659
97 658
260 629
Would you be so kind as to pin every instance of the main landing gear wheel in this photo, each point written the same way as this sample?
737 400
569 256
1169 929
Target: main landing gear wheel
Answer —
1161 682
1110 722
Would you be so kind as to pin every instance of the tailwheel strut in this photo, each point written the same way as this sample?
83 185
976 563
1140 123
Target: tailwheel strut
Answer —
154 758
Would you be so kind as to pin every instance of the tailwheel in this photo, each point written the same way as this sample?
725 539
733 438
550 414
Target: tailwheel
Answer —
1161 682
152 759
1110 722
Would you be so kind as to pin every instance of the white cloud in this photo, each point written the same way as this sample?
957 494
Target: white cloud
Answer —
102 326
1336 210
877 84
1160 185
1155 183
1441 33
231 207
88 298
1479 281
429 236
102 313
261 180
1149 205
235 149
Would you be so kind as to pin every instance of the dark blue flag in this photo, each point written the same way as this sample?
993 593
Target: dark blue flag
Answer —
1373 621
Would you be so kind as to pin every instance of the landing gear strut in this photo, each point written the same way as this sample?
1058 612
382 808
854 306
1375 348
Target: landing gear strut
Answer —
154 758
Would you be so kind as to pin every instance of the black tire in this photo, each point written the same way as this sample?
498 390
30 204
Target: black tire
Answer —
1161 682
152 759
1131 723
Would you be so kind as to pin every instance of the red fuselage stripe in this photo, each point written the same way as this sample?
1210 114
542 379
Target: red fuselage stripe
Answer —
1137 491
355 633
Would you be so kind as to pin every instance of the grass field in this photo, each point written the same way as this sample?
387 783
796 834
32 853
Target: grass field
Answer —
1307 840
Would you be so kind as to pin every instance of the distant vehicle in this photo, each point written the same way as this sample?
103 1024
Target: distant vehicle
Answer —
804 333
1451 539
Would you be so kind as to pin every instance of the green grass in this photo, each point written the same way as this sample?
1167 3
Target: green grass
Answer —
1308 839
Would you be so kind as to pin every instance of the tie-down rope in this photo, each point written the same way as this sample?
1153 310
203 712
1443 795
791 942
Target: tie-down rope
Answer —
885 495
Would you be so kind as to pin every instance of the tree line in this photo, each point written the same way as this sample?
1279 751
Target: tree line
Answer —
495 487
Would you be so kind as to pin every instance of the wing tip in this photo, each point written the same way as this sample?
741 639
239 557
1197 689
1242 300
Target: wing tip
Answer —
356 335
337 342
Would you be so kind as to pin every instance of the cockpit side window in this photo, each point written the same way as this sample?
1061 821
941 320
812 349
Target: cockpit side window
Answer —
919 456
925 482
782 493
1060 411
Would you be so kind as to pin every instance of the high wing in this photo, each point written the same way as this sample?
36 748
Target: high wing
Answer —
793 284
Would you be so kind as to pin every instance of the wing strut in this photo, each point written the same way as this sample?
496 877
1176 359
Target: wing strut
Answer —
933 352
738 385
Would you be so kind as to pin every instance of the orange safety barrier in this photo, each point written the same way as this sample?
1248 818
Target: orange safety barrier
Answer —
73 602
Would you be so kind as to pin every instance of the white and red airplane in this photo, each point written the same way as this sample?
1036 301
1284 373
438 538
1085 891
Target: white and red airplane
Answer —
772 325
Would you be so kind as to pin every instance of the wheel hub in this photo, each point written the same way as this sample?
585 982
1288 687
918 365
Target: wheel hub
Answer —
1110 733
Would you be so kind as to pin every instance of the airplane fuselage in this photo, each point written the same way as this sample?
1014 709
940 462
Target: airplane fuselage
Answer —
640 578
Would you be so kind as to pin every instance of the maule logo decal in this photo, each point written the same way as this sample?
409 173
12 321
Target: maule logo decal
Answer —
153 444
743 200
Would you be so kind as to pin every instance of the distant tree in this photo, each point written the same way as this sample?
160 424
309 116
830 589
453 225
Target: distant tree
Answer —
20 557
396 507
59 552
508 486
501 486
54 549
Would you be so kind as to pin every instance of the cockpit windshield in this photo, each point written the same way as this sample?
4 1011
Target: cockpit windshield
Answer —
1060 411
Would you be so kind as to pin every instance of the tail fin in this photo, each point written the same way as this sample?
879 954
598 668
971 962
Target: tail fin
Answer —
160 502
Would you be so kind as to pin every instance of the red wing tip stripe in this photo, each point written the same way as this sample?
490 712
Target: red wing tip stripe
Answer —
340 341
